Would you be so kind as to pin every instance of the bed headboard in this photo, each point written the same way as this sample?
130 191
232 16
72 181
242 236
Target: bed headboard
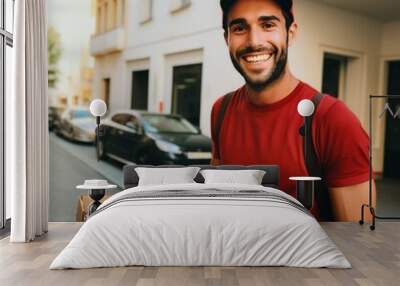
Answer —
270 179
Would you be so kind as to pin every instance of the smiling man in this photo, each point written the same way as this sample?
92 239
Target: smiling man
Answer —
260 122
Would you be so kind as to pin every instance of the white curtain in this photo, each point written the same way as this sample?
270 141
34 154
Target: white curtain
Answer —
27 124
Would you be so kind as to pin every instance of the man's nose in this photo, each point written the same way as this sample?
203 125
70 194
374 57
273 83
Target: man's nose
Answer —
255 38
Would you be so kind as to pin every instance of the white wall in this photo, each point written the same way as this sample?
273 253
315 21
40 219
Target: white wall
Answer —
198 28
390 46
198 17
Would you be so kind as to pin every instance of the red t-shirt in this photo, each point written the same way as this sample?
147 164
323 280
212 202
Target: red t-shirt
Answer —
269 134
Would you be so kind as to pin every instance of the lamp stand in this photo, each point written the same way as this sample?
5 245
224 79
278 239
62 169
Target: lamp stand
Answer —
97 136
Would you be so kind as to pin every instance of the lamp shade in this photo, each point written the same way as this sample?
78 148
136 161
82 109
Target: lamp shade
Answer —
98 107
305 107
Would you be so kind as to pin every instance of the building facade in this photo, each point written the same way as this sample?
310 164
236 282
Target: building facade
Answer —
170 56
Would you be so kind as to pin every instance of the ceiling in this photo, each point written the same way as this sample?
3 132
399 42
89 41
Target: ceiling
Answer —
383 10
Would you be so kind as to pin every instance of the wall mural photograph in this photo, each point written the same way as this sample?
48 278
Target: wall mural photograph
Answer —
160 92
201 133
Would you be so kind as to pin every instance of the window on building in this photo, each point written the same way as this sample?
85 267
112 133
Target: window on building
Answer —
103 18
112 21
186 92
140 89
334 74
106 17
146 11
115 12
6 45
177 5
98 22
109 15
120 13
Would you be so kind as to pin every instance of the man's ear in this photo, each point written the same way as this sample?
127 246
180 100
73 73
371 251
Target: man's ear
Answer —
292 33
226 37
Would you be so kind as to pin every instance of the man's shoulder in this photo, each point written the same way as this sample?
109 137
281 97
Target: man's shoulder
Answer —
333 113
327 102
333 107
234 94
331 110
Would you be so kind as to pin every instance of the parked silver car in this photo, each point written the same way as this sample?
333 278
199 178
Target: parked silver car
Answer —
77 123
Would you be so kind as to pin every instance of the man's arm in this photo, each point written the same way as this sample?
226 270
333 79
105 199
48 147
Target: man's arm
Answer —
347 201
215 162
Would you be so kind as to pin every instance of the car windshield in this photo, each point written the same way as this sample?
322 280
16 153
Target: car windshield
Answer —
167 124
80 114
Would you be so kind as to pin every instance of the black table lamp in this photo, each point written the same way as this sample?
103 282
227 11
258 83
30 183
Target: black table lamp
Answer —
305 185
98 108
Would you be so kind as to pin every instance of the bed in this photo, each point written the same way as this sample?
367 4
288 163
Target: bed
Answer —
201 224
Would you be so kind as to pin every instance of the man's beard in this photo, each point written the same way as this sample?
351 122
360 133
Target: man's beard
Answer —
271 77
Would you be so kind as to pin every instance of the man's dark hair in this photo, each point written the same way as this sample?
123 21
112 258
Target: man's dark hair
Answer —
286 6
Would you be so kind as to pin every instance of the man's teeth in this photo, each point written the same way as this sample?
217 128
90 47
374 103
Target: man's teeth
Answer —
258 58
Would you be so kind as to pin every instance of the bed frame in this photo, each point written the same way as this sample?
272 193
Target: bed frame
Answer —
270 179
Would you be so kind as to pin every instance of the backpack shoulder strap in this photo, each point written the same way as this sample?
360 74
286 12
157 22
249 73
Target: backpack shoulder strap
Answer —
220 118
310 156
314 168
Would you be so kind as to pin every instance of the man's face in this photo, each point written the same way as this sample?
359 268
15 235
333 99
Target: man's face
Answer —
258 41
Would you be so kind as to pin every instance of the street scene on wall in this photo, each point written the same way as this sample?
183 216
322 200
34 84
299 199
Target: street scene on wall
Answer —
159 68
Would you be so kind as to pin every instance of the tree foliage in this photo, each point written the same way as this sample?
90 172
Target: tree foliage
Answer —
54 54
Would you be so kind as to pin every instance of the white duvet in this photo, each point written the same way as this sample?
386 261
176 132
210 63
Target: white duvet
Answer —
200 231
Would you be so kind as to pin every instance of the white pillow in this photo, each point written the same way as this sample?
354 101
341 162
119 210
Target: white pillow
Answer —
163 176
249 177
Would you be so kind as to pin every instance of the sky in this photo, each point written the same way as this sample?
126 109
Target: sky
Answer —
75 23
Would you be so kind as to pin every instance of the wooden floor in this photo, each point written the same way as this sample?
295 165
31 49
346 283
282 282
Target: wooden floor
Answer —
375 257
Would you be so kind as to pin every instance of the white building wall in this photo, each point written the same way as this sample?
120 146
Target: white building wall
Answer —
192 35
197 30
111 66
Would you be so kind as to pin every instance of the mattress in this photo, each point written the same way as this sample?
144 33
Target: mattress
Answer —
201 225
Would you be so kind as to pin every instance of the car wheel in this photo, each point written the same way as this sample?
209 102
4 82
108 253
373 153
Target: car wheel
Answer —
100 150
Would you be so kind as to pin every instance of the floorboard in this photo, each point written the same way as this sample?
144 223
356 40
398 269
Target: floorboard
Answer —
375 257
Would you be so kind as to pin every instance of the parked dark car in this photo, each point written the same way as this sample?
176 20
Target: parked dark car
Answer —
152 138
77 123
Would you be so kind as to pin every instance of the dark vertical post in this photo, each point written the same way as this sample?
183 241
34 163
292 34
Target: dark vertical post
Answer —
307 130
370 151
305 193
97 136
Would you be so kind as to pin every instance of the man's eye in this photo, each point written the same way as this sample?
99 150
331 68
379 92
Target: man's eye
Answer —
267 25
237 28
